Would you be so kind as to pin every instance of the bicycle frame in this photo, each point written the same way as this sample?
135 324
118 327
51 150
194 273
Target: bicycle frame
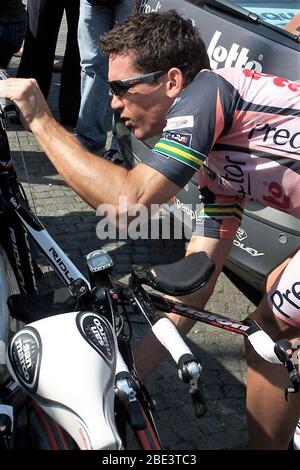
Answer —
17 223
20 222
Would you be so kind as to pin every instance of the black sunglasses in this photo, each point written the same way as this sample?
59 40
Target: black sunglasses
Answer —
120 87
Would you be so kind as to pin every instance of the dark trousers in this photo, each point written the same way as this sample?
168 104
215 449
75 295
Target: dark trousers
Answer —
44 19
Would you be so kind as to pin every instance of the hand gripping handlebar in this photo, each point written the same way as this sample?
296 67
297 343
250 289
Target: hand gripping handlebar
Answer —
279 352
7 107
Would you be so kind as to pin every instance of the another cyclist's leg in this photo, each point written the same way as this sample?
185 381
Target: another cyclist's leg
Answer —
149 352
271 419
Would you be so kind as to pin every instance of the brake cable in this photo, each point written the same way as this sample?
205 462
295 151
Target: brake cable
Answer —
32 202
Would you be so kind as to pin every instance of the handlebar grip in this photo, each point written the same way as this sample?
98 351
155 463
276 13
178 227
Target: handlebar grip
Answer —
264 346
168 335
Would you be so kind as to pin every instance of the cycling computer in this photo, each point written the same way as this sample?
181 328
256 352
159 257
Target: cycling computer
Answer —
99 261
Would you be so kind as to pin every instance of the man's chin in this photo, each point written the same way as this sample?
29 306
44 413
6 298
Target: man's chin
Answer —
138 133
142 135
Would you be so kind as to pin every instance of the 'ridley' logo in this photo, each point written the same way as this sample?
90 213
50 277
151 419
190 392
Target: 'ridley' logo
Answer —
241 234
61 265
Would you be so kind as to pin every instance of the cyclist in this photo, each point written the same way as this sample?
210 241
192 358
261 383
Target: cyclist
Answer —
240 129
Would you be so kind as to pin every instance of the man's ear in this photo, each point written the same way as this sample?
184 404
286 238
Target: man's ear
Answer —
175 82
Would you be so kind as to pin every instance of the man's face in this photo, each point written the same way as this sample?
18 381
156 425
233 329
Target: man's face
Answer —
143 107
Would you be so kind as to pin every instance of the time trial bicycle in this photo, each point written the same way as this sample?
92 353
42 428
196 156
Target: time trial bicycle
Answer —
69 379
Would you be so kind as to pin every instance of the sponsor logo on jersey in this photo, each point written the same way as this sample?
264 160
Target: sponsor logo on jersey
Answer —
188 210
179 122
279 136
276 196
277 81
235 56
235 173
184 138
284 301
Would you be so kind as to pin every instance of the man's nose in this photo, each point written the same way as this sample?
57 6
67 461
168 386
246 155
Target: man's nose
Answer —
117 103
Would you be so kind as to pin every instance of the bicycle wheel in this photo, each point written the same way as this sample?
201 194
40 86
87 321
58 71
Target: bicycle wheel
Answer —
36 430
137 439
8 326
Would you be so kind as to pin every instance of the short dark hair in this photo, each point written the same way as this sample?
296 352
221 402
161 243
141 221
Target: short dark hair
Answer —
159 41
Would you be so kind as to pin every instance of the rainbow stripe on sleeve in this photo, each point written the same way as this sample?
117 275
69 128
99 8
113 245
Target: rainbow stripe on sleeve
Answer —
180 152
221 211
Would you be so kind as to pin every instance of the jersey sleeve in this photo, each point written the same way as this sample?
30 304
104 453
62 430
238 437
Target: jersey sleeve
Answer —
197 118
218 216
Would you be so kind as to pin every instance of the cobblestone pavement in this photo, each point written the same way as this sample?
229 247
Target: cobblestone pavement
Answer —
72 223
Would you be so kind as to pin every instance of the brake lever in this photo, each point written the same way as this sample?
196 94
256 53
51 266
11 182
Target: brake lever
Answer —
284 351
189 371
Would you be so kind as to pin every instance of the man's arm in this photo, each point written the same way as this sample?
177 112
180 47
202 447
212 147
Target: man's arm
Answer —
94 179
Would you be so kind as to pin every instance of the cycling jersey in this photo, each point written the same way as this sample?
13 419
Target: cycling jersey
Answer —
284 296
241 130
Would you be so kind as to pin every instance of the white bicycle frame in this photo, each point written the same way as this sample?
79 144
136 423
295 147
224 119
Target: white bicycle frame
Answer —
67 364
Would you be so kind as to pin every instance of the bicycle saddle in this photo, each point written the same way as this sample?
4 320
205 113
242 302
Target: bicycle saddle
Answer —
180 278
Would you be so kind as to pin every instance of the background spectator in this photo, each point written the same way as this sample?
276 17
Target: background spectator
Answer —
12 29
44 19
96 18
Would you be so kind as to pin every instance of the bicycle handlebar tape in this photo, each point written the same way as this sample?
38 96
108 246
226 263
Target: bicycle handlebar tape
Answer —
264 346
168 335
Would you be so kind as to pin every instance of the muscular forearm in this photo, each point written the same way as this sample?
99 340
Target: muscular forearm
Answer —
94 179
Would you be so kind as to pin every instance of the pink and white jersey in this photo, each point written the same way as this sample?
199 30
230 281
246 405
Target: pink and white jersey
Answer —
241 130
260 154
